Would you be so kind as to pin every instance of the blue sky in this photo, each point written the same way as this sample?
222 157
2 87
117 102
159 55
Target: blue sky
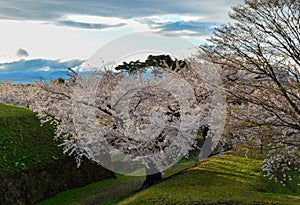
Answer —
62 31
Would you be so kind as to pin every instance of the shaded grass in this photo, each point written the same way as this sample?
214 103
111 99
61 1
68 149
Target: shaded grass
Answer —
109 191
224 179
23 141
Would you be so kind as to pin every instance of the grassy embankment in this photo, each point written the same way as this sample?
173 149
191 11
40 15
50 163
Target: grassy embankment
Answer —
226 179
23 142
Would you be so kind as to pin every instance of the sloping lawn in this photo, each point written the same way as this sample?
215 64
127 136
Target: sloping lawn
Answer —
226 179
109 191
23 142
223 179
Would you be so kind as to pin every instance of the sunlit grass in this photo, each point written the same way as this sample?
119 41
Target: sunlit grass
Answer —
226 179
222 179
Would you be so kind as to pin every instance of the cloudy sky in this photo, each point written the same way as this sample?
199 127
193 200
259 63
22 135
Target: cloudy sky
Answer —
75 29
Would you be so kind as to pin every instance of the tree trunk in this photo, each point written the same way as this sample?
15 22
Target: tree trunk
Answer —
152 179
153 176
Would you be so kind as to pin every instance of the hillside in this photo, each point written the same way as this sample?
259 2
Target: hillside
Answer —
23 141
224 179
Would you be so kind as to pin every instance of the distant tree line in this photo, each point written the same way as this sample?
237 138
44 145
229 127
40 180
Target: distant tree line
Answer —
162 61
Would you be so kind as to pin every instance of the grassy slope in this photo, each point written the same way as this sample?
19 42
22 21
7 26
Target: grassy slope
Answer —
109 191
228 179
224 179
23 142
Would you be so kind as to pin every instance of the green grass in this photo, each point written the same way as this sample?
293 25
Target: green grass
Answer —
23 141
224 179
109 191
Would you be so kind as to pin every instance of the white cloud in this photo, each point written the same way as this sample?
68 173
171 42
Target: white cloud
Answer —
22 53
56 29
46 68
2 67
192 18
93 19
45 40
51 10
90 22
172 18
39 65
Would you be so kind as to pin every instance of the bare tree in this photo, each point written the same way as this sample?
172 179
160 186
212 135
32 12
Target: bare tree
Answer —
260 58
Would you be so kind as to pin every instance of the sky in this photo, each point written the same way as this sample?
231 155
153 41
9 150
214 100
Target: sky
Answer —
72 30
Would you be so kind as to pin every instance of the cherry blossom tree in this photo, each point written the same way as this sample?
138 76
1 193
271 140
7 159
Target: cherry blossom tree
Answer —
16 94
127 123
260 59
